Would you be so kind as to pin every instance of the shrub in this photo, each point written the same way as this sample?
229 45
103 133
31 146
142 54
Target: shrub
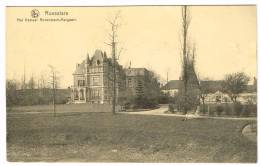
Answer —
227 108
163 99
246 111
253 109
249 108
141 102
203 109
211 112
187 102
127 105
171 108
219 109
238 108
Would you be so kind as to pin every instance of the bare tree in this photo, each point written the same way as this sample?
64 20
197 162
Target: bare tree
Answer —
31 83
205 89
31 90
23 82
234 84
42 81
113 42
24 85
54 84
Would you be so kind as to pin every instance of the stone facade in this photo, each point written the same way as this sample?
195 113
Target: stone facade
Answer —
93 80
141 82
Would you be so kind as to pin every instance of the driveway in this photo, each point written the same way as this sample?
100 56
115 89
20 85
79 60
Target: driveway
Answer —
163 108
158 111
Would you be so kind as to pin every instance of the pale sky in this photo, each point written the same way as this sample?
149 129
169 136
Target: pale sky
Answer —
225 38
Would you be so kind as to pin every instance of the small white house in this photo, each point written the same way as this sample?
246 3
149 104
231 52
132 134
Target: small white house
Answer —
171 88
217 97
220 97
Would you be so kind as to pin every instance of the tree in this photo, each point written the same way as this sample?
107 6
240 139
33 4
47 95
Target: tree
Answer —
31 83
43 89
24 85
42 81
31 98
54 84
11 92
113 35
188 93
234 84
205 89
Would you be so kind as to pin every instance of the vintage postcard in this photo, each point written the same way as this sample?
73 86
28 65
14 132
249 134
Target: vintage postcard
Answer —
156 84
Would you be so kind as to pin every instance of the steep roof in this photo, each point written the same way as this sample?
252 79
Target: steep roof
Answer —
98 54
135 71
80 68
173 84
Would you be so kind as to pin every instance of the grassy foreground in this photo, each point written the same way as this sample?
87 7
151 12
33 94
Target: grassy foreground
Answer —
102 137
84 107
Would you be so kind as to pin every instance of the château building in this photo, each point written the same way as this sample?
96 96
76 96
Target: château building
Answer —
141 82
93 81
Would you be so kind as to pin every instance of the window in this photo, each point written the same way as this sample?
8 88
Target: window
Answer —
95 93
82 94
81 82
95 80
129 81
76 95
98 62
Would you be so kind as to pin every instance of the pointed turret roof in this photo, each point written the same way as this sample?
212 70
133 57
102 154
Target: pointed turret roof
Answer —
80 68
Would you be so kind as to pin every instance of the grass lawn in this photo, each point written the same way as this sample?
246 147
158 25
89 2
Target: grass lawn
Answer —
102 137
84 107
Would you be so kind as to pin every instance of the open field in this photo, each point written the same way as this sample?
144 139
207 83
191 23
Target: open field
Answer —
102 137
63 108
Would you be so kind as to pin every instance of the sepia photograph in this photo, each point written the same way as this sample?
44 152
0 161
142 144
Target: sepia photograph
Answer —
131 84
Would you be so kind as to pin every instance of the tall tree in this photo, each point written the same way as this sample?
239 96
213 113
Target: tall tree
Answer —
23 86
31 89
189 78
113 42
234 84
54 84
185 26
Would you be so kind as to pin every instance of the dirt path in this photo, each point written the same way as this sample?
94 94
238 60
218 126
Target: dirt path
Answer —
159 112
163 108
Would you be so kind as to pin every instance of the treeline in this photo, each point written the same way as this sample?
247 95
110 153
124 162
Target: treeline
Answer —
36 96
33 92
